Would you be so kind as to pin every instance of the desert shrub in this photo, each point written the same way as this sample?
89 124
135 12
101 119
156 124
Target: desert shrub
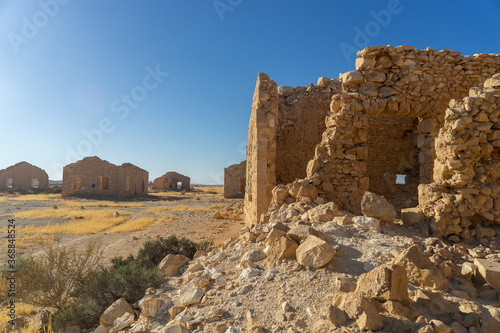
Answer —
153 252
205 245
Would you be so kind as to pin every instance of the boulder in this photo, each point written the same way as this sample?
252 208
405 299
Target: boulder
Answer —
150 305
352 77
124 321
301 232
115 311
174 328
490 271
323 213
249 272
440 327
191 296
366 223
272 236
490 319
282 248
373 205
385 283
335 315
314 252
254 255
303 189
171 264
421 271
493 81
412 216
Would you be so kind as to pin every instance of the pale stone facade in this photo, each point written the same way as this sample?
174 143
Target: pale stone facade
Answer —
235 180
94 177
172 181
23 176
382 126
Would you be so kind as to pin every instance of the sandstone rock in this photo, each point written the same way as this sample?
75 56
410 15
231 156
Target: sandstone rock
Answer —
282 248
412 216
150 305
468 269
370 321
174 328
300 232
273 236
254 255
345 284
314 252
482 232
323 81
352 77
335 315
366 223
323 213
490 271
456 327
440 327
124 321
171 264
101 329
285 90
377 206
343 220
194 267
115 311
116 214
248 273
353 304
493 81
490 319
302 189
191 296
385 283
421 271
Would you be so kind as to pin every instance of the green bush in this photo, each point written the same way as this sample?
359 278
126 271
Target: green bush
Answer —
153 252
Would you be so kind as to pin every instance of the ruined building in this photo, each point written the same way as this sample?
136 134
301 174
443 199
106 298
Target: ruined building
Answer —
92 176
23 176
420 127
172 181
235 180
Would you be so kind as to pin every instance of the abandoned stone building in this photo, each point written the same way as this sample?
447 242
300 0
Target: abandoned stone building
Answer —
23 176
94 177
420 127
172 181
235 180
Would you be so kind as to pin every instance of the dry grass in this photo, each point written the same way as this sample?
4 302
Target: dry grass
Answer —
22 309
193 209
157 209
76 227
26 241
141 224
29 197
73 203
67 213
216 189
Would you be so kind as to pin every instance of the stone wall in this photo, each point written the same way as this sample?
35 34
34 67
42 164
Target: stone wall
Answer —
235 180
23 176
172 181
94 177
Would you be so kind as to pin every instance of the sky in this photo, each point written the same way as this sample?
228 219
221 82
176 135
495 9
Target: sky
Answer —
168 85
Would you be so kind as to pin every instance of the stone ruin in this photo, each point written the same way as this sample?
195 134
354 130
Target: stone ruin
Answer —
235 180
420 127
94 177
172 181
23 176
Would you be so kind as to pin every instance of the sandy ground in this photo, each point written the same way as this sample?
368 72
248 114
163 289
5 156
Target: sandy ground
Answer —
196 225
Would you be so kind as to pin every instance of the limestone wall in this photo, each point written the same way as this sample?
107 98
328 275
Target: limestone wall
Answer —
92 176
235 180
172 181
23 176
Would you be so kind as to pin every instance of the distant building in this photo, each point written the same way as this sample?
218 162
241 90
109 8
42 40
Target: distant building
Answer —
92 176
235 180
172 181
23 176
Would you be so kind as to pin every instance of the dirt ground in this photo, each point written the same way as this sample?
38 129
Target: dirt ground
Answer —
195 221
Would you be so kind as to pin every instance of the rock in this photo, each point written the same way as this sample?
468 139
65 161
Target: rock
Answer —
194 267
490 319
100 329
323 81
302 189
115 311
366 223
412 216
314 252
254 255
426 329
489 295
352 77
456 327
282 248
492 82
300 232
124 321
482 232
248 273
490 271
323 213
370 320
353 304
72 329
171 264
116 214
468 269
335 315
174 328
273 235
421 271
343 220
345 284
42 320
285 90
191 296
377 206
151 305
219 280
385 283
440 327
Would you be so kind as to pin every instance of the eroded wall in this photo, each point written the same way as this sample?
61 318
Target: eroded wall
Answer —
172 181
22 176
235 180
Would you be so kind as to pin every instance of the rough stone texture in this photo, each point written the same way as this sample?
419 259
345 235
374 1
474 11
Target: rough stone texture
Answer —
412 216
174 328
23 176
172 181
385 283
377 206
490 319
235 180
171 264
191 296
123 322
282 248
323 213
314 252
301 232
490 271
92 176
115 311
421 271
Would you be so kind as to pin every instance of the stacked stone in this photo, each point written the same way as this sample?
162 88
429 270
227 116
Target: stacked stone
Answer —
467 167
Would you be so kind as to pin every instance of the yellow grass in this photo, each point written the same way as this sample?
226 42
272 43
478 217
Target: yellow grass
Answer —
25 241
22 309
73 203
140 224
30 197
217 189
193 209
157 209
76 227
67 213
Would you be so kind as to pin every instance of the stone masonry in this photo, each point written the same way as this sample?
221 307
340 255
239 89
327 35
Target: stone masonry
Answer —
94 177
235 180
23 176
383 123
172 181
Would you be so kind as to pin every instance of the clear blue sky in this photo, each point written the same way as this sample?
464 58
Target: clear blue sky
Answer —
168 85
